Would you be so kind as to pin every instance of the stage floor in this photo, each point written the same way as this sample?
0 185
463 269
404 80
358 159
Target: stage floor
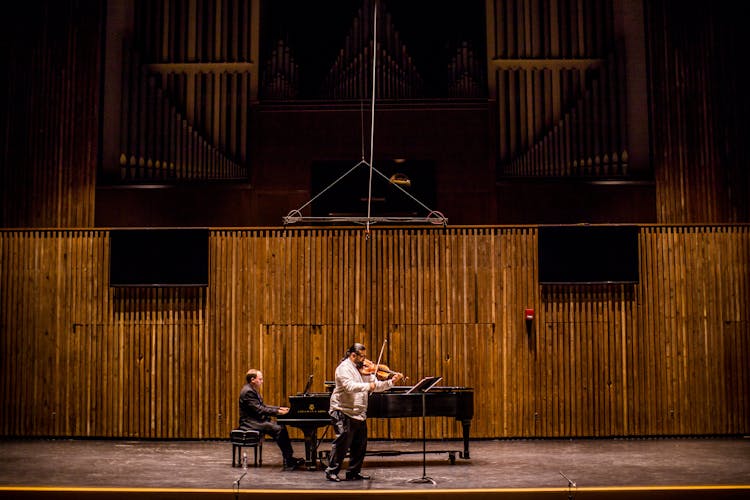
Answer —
598 463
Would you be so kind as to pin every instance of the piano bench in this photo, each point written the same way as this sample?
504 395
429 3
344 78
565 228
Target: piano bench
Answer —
246 439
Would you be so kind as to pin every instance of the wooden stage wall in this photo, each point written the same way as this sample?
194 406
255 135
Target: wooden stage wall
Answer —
668 356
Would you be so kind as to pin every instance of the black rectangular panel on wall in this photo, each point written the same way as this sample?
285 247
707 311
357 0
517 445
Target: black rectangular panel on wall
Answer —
588 254
158 257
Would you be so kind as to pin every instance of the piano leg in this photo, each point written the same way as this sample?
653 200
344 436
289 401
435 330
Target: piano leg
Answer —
311 448
466 425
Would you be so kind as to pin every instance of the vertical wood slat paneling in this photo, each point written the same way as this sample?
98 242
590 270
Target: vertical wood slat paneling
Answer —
668 356
49 127
696 117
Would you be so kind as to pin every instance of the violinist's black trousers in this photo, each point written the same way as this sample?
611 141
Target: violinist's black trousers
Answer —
351 436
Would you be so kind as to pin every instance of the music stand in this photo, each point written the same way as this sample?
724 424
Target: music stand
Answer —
422 387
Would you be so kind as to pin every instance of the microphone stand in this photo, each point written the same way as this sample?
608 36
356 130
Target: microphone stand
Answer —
571 485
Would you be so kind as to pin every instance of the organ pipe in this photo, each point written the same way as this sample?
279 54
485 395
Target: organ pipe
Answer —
556 78
189 75
397 76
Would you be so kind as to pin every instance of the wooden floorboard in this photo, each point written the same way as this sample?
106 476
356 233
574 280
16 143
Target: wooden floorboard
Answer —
599 468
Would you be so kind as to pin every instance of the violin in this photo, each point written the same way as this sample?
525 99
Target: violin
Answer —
381 371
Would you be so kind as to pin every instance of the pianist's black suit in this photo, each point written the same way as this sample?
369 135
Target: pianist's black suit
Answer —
254 415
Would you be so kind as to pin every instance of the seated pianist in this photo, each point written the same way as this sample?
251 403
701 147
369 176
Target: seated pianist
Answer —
255 415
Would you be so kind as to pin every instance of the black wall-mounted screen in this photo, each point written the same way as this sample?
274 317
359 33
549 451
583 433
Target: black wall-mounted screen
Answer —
588 254
158 257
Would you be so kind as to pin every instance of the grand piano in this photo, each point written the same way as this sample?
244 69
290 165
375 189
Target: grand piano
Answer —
309 411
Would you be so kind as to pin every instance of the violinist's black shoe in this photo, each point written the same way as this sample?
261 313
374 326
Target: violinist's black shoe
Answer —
332 476
356 476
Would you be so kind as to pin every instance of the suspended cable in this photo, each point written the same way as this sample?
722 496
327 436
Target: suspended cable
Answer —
330 185
362 125
372 107
433 216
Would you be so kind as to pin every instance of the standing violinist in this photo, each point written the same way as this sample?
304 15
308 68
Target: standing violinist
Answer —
348 410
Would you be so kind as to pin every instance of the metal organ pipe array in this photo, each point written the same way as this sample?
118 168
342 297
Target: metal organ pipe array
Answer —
556 76
589 140
162 142
397 76
465 74
189 76
281 75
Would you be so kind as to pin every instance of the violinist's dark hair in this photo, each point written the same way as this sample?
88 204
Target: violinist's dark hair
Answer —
355 347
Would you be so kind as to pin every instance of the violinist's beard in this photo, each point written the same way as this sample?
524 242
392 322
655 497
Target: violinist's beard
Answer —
359 364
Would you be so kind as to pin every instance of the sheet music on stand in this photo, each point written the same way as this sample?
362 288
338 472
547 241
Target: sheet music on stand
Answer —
422 387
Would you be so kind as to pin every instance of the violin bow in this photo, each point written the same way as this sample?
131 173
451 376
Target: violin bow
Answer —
380 356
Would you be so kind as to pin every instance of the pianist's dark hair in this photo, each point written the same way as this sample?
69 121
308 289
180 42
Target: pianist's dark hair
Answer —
355 347
251 374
